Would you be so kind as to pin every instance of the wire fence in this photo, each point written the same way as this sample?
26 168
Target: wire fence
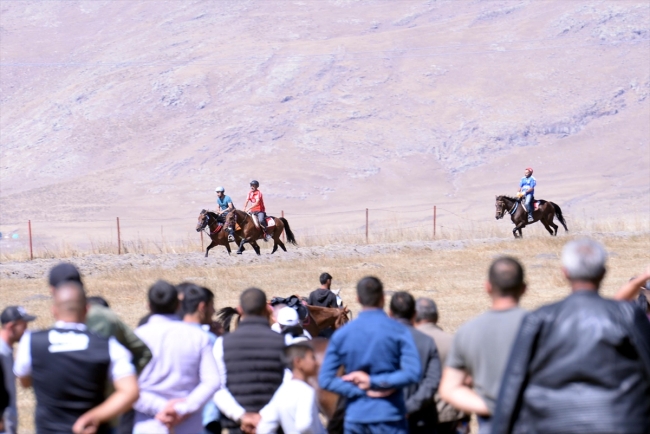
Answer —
52 237
36 238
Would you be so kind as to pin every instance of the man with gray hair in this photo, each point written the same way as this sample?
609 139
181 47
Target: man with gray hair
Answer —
426 321
582 364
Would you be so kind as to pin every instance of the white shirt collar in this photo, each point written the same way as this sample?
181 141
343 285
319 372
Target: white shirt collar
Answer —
70 325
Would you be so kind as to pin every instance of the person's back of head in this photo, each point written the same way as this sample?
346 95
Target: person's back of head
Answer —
584 260
182 288
194 295
253 302
506 277
64 272
324 278
370 292
70 302
426 310
163 298
98 301
402 306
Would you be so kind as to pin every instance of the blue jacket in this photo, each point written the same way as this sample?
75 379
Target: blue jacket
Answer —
383 348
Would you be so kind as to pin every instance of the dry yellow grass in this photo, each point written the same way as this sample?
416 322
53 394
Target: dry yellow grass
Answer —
454 278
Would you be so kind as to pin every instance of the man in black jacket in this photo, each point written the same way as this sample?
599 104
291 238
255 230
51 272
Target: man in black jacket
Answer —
581 365
250 362
420 406
323 297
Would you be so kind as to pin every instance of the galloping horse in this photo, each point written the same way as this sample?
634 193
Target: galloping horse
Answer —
251 232
219 237
545 213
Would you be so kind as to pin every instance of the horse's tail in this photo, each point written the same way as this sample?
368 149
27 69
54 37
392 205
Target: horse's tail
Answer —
558 214
225 317
287 229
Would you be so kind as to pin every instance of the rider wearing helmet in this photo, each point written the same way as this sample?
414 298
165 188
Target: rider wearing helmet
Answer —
257 206
527 189
224 206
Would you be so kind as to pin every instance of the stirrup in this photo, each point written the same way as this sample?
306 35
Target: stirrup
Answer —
231 238
531 219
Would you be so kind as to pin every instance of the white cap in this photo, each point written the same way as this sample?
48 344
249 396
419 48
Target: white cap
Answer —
292 340
288 317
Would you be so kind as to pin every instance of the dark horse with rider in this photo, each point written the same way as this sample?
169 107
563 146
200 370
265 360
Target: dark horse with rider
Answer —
525 210
227 224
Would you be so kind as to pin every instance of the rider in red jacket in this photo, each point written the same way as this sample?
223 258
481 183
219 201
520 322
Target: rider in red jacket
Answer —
256 200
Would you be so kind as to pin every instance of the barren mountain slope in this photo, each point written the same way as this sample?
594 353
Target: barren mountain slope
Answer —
141 108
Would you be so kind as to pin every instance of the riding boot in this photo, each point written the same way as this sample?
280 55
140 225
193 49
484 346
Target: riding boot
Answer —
530 208
264 228
231 235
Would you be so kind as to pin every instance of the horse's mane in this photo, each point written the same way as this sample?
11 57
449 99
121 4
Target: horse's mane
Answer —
514 199
211 214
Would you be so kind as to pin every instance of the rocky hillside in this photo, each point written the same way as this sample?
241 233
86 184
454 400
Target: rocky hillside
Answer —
141 108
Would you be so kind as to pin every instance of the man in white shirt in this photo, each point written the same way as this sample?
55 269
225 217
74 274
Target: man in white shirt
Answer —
68 367
14 323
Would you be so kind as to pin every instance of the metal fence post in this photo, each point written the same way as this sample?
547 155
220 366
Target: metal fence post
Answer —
119 238
284 236
434 222
366 225
31 250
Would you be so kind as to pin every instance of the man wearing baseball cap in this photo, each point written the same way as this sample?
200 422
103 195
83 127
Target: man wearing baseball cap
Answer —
102 320
289 325
14 321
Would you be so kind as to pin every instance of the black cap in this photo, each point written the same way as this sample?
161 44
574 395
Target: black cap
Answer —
15 313
64 272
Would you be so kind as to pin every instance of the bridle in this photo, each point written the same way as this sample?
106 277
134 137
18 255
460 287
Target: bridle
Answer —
205 225
503 208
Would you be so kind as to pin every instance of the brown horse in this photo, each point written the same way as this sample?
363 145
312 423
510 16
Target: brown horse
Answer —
321 318
545 213
318 319
208 222
251 232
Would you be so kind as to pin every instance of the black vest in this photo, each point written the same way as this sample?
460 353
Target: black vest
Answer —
253 356
69 373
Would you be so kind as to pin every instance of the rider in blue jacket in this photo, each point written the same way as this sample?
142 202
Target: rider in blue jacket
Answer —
224 206
527 188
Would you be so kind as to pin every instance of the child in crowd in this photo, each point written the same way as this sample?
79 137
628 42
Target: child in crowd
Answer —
293 407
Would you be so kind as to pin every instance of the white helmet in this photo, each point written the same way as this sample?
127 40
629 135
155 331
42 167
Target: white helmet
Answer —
219 189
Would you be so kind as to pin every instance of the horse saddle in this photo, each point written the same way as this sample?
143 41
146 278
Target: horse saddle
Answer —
536 204
293 302
270 221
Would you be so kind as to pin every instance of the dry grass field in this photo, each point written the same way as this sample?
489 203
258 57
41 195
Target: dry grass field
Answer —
452 277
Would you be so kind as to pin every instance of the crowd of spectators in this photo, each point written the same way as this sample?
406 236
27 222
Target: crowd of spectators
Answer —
580 365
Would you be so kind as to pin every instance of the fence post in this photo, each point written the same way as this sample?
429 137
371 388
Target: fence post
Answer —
434 222
366 225
284 235
201 240
119 237
31 251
